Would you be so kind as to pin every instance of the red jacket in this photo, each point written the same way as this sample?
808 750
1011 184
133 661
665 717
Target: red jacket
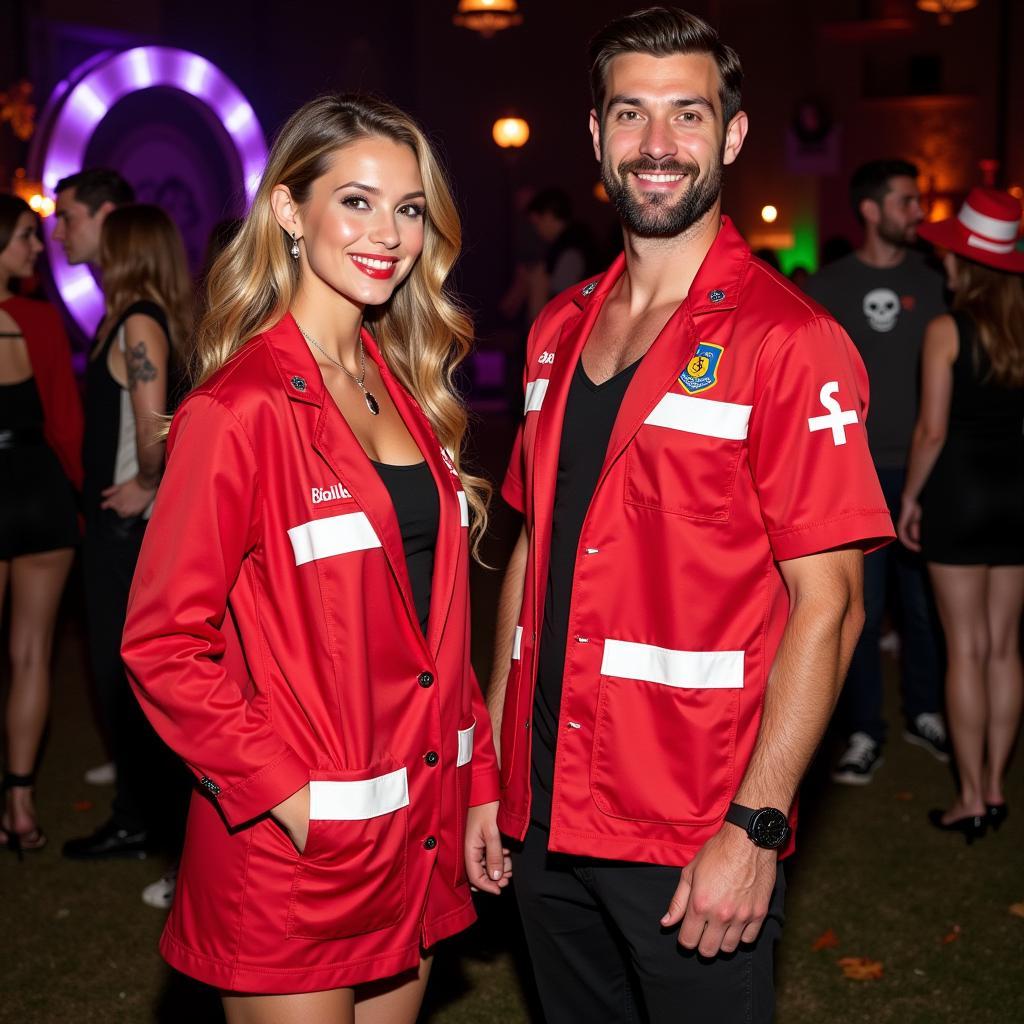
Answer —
50 356
272 640
740 443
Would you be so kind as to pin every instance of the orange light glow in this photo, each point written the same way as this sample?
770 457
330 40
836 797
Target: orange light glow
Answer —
940 209
510 132
601 193
43 205
487 16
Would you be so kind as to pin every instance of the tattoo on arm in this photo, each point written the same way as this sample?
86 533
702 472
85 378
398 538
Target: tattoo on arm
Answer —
140 367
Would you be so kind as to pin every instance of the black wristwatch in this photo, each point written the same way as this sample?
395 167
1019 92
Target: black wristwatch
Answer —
767 827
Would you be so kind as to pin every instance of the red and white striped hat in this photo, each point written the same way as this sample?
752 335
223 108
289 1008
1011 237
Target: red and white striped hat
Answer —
985 230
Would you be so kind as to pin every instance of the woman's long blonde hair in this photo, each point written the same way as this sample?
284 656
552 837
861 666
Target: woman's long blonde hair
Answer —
422 332
994 299
142 257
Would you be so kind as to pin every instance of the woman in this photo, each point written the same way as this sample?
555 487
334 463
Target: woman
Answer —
40 441
963 502
131 382
299 625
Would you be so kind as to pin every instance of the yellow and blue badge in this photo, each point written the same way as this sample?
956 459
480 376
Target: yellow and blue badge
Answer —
701 371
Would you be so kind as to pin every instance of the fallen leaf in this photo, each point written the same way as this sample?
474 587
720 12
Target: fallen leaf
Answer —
83 805
827 940
859 968
1017 908
905 795
952 935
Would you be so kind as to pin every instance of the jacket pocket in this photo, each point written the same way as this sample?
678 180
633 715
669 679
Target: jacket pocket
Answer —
685 457
665 733
350 879
463 781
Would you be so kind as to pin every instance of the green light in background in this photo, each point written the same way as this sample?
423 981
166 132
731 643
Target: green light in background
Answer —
804 252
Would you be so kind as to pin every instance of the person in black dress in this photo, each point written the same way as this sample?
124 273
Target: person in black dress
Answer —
963 503
131 384
40 436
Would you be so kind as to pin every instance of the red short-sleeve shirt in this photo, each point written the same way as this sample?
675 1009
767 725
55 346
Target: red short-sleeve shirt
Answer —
740 443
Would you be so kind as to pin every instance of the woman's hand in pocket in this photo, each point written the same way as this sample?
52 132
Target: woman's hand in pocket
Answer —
488 863
293 816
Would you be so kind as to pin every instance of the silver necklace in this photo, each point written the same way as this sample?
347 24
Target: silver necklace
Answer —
371 402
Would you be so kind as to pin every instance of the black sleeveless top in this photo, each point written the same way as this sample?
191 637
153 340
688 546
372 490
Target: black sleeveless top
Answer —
418 510
103 397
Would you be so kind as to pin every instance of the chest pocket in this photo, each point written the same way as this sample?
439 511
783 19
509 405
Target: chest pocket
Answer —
685 457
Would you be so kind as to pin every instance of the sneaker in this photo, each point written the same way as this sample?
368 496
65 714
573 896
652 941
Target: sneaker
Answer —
102 775
160 894
857 766
928 731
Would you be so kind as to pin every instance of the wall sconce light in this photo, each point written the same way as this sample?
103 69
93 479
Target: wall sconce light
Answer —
487 16
769 214
510 132
945 9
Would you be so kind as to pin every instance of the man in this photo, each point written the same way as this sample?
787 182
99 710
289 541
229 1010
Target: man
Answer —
685 593
109 553
884 295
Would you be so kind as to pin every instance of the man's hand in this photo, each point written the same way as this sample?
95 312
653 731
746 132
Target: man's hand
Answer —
723 894
293 815
488 863
128 499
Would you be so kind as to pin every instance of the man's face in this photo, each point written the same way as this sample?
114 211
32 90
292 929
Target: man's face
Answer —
900 212
78 229
662 142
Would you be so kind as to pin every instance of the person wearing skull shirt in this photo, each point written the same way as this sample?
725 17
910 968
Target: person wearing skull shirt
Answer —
884 294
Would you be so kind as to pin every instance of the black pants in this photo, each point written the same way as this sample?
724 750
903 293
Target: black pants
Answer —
152 787
600 955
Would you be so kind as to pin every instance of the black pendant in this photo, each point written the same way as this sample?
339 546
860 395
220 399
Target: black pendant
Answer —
371 404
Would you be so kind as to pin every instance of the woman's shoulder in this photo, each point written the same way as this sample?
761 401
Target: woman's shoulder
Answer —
141 313
242 380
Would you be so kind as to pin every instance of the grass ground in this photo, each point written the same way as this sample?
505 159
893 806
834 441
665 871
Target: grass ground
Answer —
77 945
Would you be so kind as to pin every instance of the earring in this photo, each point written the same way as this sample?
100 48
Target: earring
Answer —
295 247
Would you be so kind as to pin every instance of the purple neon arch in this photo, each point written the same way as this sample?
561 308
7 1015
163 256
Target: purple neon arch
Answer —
95 88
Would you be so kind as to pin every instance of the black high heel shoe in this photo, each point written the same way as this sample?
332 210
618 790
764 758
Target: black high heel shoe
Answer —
21 842
972 827
997 814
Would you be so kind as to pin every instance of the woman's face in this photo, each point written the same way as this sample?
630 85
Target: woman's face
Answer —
19 258
952 268
362 229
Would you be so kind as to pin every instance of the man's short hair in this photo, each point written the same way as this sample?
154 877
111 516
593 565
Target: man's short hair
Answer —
663 32
872 181
551 200
96 186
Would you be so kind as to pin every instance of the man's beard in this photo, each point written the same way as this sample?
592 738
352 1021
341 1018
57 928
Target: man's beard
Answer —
651 216
889 232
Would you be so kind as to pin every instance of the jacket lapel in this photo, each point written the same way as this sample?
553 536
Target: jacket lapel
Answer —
448 550
331 438
715 290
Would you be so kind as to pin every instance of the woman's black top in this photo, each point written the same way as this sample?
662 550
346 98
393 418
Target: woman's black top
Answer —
972 505
37 501
418 510
105 433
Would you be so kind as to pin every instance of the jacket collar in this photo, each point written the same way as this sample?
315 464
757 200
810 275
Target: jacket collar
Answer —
322 425
717 288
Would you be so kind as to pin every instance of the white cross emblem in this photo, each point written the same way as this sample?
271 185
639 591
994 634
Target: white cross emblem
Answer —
836 419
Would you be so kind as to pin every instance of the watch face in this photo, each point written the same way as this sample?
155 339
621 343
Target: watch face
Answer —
769 828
